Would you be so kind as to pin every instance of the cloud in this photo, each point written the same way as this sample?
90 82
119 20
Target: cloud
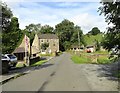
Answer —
52 0
87 22
83 14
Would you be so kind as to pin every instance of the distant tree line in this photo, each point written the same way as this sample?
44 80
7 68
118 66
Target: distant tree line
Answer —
68 33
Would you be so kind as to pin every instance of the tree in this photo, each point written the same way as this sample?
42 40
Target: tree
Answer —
11 33
94 31
111 11
6 16
64 30
46 29
77 36
30 31
44 46
97 45
68 34
11 38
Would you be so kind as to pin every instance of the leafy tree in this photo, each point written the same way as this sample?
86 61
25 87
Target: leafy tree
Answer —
77 36
94 31
67 45
11 38
111 11
97 45
64 30
44 46
68 34
6 15
31 30
46 29
11 34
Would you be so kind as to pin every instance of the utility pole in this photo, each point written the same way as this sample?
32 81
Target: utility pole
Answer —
78 39
30 30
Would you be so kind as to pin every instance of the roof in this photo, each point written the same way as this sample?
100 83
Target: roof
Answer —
89 46
35 50
75 46
47 36
19 50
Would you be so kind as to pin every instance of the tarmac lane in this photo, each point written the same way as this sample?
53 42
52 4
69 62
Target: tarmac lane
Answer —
59 74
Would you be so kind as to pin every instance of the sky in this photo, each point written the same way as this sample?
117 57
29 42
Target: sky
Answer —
82 13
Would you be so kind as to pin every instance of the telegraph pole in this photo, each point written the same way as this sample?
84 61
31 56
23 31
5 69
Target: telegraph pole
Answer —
78 39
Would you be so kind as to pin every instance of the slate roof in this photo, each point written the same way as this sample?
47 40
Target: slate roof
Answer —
89 46
47 36
19 50
74 46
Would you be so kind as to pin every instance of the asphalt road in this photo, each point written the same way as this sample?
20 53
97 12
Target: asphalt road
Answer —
59 74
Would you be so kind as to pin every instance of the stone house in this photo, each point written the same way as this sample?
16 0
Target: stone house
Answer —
51 39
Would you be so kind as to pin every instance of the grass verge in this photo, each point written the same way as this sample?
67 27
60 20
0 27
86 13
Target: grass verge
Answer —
20 65
101 52
80 59
39 63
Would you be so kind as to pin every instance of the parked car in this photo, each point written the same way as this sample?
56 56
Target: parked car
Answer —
5 66
4 58
88 51
12 59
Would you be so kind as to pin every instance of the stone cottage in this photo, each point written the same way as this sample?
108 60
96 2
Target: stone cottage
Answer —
51 39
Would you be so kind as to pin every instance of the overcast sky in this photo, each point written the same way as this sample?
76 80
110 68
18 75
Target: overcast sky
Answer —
83 14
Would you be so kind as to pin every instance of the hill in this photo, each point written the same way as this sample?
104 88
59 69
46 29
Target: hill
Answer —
90 39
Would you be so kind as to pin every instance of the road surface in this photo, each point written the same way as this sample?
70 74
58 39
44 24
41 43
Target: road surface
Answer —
59 74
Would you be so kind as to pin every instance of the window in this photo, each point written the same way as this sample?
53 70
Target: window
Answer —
41 40
53 44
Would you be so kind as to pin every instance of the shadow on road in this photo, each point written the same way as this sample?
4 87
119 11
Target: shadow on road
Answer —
110 71
15 70
43 66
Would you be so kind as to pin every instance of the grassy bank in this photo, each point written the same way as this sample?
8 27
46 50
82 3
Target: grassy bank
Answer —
93 58
101 52
39 63
103 60
80 59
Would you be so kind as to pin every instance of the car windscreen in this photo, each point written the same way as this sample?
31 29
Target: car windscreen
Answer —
11 56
